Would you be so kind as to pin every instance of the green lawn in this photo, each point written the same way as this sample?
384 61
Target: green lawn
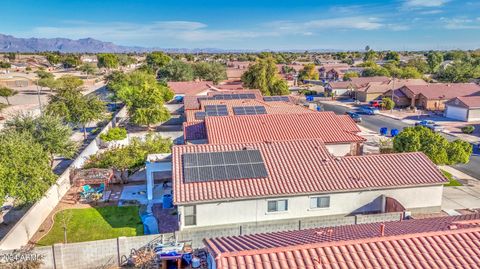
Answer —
89 224
453 182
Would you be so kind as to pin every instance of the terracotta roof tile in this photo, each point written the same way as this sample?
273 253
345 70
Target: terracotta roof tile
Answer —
274 127
425 244
468 101
348 124
311 169
435 91
189 87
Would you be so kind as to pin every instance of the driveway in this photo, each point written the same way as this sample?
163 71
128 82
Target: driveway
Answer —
375 122
461 197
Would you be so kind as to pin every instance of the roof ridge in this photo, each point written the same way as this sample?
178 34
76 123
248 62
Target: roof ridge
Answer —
345 242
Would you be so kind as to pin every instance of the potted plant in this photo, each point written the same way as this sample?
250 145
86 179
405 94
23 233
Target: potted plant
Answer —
115 136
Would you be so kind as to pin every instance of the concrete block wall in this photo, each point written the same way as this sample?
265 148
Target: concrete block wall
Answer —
28 225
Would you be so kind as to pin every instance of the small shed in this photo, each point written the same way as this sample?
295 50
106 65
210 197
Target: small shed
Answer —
93 176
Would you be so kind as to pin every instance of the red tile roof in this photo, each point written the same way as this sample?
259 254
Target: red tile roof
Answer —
271 107
340 84
449 242
304 167
445 91
348 124
274 127
191 101
189 87
362 81
468 101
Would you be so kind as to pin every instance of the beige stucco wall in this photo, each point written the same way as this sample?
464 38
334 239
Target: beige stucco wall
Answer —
254 210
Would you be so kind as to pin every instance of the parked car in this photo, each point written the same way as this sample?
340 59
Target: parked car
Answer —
355 116
376 103
369 110
430 124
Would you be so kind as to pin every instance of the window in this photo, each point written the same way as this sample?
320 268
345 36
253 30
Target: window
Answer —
277 206
320 202
190 213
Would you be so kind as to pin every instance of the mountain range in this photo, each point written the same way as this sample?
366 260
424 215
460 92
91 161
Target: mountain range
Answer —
10 43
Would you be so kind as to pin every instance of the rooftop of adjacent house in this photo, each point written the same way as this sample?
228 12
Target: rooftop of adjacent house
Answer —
447 242
466 101
362 81
383 86
270 107
189 87
289 168
340 84
445 91
328 126
193 101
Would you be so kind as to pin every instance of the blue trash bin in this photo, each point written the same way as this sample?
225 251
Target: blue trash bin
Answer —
394 132
383 131
167 201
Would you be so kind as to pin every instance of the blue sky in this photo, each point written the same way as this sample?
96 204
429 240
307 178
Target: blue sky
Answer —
245 24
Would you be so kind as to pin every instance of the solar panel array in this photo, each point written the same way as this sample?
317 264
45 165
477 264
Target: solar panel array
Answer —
200 115
216 110
249 110
211 166
276 98
233 96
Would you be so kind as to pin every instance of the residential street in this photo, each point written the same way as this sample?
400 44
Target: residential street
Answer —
375 122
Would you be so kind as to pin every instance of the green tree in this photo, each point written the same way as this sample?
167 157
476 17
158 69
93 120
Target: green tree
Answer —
107 61
435 146
263 76
69 82
176 71
434 59
144 97
309 72
70 60
375 71
130 157
370 55
44 74
460 71
125 60
388 103
410 72
157 60
214 72
392 56
420 64
53 58
349 75
75 108
88 69
6 93
24 168
48 131
5 65
459 151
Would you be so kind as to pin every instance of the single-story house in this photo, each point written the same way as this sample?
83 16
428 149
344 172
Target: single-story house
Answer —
192 88
381 88
441 242
192 102
464 108
254 182
433 96
338 133
339 88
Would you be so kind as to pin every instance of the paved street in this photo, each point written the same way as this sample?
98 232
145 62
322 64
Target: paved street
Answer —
375 122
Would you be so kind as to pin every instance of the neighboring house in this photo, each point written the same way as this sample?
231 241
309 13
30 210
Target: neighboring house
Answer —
333 72
371 91
442 242
253 182
338 133
192 102
434 95
368 89
339 88
192 88
464 108
235 69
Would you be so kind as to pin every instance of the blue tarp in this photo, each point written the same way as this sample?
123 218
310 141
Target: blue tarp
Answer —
150 225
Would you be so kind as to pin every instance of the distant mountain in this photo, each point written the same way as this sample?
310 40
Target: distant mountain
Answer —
10 43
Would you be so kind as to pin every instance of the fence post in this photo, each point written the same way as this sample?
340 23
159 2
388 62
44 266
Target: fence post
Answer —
53 256
118 251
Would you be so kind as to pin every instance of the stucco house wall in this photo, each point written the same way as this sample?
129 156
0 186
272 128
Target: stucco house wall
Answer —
425 198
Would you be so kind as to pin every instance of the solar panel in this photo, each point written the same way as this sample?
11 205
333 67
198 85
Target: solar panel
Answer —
208 166
216 110
249 110
276 98
200 115
233 96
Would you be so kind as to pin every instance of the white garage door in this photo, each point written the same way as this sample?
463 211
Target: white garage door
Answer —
457 113
474 115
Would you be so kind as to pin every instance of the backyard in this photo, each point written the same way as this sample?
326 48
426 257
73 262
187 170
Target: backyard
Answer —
97 223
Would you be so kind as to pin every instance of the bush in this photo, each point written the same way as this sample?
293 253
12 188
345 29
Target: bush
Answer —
388 103
309 92
468 129
113 134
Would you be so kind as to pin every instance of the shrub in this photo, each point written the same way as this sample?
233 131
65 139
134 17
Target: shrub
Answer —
468 129
388 103
115 133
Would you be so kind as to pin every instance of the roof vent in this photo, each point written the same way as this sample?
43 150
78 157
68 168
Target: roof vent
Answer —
452 227
382 229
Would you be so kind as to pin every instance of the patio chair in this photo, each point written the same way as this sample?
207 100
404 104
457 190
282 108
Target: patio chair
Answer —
87 189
